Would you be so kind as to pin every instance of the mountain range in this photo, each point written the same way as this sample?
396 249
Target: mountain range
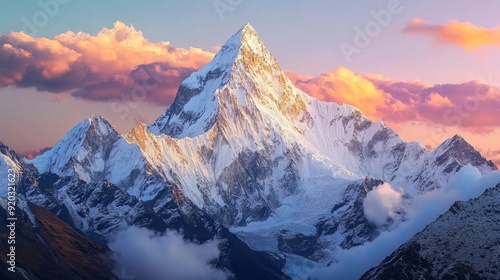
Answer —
242 156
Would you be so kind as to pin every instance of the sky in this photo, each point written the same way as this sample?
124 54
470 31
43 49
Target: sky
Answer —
428 69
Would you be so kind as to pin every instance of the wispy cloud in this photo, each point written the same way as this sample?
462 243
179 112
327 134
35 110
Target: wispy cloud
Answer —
494 155
100 67
463 34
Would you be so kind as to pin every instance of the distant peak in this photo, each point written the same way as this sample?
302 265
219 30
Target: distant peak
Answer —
96 117
100 125
457 137
455 142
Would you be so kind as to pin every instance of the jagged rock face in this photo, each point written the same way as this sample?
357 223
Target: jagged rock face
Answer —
348 218
463 243
98 209
345 226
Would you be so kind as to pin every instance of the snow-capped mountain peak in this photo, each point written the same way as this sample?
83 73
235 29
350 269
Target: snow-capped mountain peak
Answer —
462 153
245 146
81 152
245 61
240 115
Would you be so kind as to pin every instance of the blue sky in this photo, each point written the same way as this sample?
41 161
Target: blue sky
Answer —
303 36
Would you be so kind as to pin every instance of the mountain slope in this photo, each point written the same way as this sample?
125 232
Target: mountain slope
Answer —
463 243
241 148
47 248
101 209
86 150
246 146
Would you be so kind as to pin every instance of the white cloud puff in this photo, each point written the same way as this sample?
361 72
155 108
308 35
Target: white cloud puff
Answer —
381 203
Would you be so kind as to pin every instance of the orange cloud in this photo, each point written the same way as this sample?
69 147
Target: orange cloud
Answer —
343 86
463 34
437 100
473 106
107 66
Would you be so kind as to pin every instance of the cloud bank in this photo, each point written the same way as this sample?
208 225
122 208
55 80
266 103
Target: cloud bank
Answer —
107 66
147 255
463 34
471 105
424 209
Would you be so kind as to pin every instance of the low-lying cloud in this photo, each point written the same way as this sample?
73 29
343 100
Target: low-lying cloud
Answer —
463 34
144 254
381 203
466 184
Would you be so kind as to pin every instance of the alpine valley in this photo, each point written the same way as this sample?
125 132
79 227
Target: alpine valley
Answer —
278 178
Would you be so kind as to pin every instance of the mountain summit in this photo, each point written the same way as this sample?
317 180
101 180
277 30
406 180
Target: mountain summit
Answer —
242 139
242 148
242 67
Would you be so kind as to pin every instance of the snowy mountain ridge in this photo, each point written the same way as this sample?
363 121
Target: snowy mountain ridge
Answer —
241 143
461 243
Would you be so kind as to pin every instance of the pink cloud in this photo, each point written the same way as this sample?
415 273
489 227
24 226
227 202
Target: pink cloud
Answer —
31 154
462 34
472 105
494 155
108 66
